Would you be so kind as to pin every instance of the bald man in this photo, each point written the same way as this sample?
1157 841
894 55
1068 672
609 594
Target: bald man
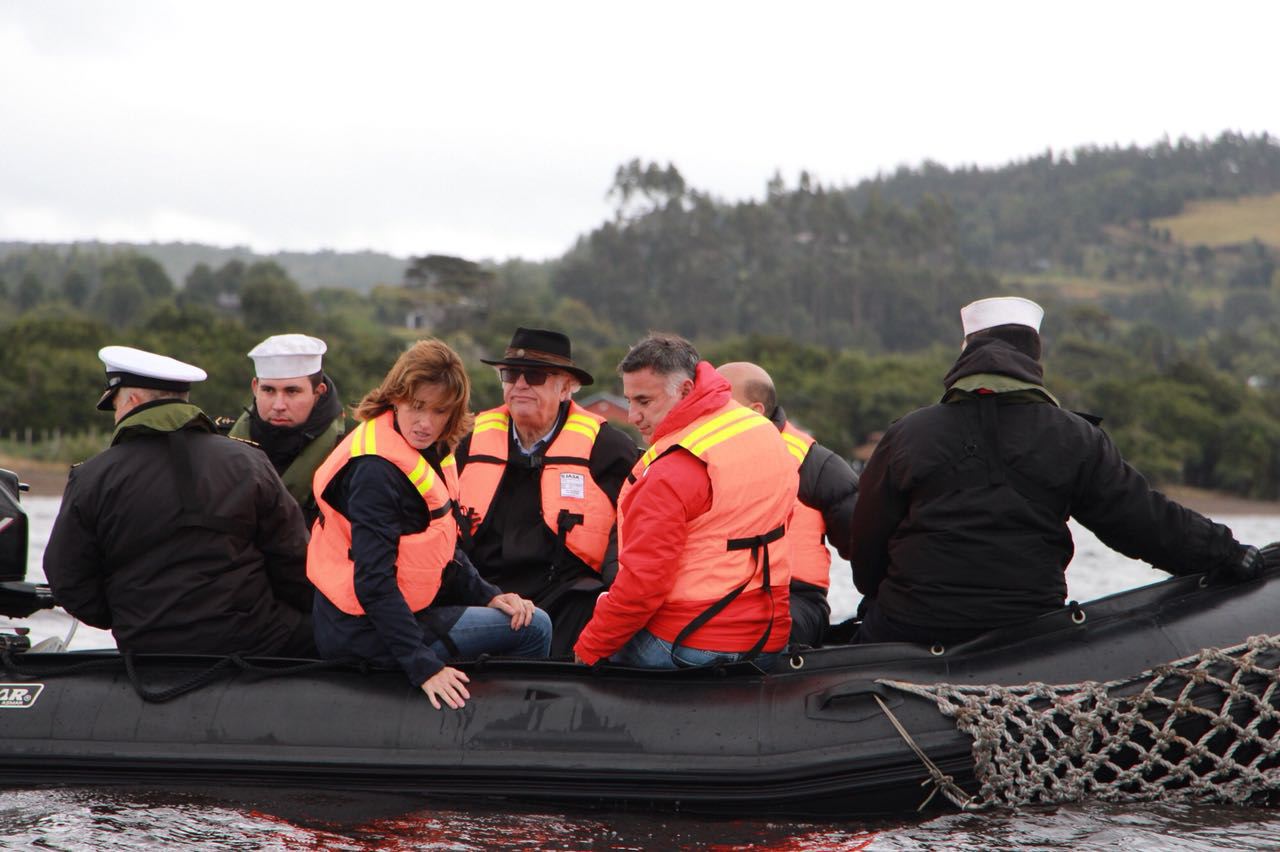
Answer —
824 506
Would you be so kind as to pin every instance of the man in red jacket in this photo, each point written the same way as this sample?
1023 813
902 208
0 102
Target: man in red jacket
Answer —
703 560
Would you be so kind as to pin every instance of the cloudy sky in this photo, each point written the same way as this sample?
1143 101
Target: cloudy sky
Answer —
494 129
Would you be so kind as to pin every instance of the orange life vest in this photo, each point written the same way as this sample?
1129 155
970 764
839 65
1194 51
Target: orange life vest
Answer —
573 506
737 545
811 561
422 556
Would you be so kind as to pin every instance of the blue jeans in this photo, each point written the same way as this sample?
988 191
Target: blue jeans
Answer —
647 651
485 630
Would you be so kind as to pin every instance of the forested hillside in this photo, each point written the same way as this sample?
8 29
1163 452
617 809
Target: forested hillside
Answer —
1158 319
52 261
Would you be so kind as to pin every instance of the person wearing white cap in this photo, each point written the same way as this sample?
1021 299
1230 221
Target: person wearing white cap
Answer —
296 416
961 520
176 538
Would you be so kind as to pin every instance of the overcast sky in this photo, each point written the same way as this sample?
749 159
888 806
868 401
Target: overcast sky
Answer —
493 129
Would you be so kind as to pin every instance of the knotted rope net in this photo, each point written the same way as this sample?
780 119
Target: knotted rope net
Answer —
1204 727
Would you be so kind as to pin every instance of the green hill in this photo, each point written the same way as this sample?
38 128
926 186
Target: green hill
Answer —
1226 222
312 270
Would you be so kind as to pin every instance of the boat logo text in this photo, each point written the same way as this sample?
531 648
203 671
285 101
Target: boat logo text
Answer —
19 696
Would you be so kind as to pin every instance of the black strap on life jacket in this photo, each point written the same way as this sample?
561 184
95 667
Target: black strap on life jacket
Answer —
465 518
565 522
449 507
988 469
756 544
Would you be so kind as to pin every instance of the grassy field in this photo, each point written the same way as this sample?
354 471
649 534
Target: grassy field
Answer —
1218 223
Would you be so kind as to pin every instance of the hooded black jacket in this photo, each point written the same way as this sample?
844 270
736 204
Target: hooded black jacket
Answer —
961 525
207 561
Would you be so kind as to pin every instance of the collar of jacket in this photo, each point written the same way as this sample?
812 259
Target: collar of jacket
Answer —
160 416
996 383
778 418
710 392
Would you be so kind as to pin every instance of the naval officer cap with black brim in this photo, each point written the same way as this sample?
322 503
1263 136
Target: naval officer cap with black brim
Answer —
136 368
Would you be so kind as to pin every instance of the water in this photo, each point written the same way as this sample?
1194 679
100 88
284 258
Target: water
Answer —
127 818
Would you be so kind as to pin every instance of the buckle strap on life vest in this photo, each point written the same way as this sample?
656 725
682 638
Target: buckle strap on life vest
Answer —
565 522
755 544
439 512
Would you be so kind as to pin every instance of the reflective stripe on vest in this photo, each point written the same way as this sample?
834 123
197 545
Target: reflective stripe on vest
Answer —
571 499
811 560
750 471
422 556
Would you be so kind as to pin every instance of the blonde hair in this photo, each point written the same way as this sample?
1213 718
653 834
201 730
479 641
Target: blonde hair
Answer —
427 362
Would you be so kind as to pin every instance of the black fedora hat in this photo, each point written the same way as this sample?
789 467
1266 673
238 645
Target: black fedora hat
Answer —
537 347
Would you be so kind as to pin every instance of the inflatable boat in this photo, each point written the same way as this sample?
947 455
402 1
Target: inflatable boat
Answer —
827 733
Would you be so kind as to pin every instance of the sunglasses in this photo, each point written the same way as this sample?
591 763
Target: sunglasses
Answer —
532 377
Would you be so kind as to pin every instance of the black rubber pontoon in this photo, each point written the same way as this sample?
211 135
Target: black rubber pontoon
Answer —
808 739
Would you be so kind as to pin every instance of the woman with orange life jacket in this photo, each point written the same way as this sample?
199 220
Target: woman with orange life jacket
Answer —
392 586
704 560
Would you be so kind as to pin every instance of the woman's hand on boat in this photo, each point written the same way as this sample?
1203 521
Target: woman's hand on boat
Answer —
448 684
520 609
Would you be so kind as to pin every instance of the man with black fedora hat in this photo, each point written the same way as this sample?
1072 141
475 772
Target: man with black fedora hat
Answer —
177 538
539 478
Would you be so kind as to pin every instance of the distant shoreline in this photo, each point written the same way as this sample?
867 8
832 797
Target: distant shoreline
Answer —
48 479
1215 503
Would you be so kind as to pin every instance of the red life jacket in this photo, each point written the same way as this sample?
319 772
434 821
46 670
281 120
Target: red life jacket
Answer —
740 544
811 561
573 506
422 557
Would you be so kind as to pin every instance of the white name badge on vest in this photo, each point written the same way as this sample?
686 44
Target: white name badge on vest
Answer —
573 485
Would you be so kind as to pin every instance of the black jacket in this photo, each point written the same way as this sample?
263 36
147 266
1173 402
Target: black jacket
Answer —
382 505
514 548
961 517
828 484
179 539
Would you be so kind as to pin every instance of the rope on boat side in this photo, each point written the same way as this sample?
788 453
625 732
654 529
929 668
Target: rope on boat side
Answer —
939 779
1205 727
128 660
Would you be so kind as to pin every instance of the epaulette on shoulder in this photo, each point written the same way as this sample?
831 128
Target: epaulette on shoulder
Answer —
223 423
253 444
1091 419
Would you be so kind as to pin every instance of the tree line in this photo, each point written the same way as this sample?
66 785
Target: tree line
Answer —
849 296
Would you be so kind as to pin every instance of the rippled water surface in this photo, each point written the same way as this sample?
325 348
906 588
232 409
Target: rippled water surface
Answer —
115 818
149 819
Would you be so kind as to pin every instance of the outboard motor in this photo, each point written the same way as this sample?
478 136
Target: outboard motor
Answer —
18 599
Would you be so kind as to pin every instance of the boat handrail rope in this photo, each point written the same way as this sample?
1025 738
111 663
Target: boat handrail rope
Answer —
939 779
1204 727
199 679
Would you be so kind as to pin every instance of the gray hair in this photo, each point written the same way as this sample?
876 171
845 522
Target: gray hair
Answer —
146 395
667 355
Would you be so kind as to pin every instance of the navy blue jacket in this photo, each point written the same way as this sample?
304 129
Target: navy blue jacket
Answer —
382 505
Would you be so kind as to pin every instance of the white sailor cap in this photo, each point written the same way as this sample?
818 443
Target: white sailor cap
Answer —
287 356
135 368
1001 310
